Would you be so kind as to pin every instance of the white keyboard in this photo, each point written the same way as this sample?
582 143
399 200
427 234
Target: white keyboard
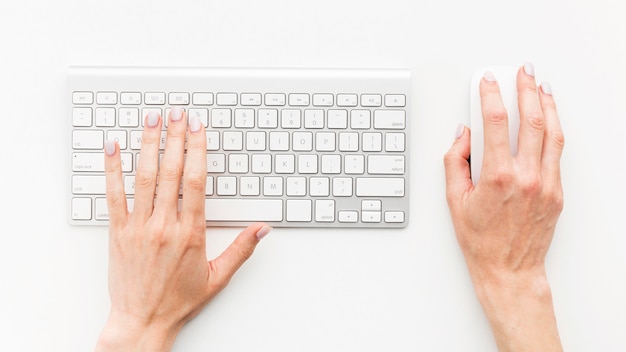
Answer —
291 147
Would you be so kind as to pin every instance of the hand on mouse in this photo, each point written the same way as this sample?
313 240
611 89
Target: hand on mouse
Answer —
159 276
505 224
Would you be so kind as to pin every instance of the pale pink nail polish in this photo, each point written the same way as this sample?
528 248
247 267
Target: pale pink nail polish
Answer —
489 76
546 88
263 231
109 147
459 131
195 124
176 114
153 119
529 68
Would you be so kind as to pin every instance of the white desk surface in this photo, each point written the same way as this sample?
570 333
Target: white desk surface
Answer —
310 290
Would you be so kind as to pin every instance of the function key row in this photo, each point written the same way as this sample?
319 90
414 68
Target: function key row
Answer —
244 99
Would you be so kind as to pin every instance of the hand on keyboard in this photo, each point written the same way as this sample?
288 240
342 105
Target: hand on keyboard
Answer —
159 276
505 224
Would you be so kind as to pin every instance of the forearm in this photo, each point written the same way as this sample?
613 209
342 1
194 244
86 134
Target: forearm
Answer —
121 334
520 312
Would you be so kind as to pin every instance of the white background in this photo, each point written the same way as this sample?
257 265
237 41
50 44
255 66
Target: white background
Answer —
311 290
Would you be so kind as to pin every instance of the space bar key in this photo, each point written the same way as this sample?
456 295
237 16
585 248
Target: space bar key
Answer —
243 209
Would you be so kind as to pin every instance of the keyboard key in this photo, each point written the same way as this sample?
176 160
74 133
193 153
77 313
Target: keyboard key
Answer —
81 117
130 98
216 163
128 117
178 98
394 142
347 100
88 139
290 118
226 186
395 100
360 119
250 99
245 210
379 187
371 100
272 186
255 141
105 117
92 184
371 205
275 99
319 186
299 210
313 119
226 99
370 216
372 142
323 100
385 164
389 119
249 186
325 210
299 99
244 118
81 208
154 98
394 216
202 98
221 118
94 162
338 119
82 98
200 114
106 98
348 216
268 118
342 187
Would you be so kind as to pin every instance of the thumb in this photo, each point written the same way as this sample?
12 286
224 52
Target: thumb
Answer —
224 267
456 163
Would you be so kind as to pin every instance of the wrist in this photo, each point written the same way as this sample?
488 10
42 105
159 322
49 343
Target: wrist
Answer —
123 333
520 310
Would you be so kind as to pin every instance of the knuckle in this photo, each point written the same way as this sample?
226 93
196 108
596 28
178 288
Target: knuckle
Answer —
558 138
244 253
554 198
496 116
536 121
501 177
170 170
195 181
115 198
145 177
531 184
449 158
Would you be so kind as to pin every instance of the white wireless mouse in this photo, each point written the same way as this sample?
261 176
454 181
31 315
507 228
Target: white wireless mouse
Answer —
507 80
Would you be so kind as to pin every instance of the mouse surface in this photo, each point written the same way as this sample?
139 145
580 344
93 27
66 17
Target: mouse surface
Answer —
507 80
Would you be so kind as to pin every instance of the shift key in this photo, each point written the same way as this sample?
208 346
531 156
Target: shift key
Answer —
380 187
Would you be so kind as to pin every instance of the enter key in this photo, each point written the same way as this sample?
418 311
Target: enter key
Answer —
385 164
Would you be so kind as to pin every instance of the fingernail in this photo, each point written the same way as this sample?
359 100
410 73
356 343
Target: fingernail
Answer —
176 113
263 231
195 124
153 119
546 88
459 131
109 147
489 77
529 68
